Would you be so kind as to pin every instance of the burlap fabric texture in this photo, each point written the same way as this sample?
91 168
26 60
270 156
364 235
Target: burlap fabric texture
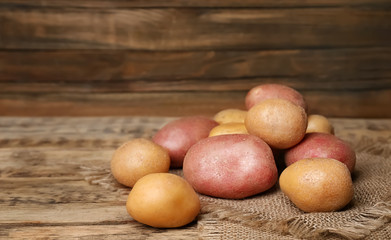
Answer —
271 215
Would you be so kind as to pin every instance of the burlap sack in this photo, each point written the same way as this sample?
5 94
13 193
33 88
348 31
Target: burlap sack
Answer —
271 215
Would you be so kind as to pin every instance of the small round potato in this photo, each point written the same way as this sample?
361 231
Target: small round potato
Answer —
230 115
163 200
317 184
179 135
322 145
269 91
230 166
228 128
137 158
279 122
319 123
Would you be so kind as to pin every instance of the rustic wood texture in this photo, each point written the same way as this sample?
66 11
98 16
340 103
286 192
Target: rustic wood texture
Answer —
192 3
194 29
100 57
44 191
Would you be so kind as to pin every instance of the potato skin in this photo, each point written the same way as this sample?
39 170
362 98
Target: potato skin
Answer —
163 200
230 115
322 145
231 166
262 92
137 158
279 122
319 123
228 128
317 184
179 135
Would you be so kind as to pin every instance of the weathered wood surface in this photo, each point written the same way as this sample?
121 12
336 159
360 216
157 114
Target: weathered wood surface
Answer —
100 57
370 103
45 191
192 3
127 71
194 29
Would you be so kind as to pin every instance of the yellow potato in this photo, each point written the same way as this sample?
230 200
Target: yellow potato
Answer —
137 158
163 200
230 115
317 184
228 128
279 122
319 123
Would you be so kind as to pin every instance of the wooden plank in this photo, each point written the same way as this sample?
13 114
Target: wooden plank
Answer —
369 103
189 3
18 191
55 135
60 162
193 28
76 213
128 71
116 230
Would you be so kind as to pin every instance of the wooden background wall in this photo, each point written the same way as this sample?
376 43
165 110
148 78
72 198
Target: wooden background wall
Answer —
183 57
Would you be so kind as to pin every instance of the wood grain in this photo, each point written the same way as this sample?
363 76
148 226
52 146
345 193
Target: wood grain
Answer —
191 3
332 103
175 58
46 189
193 28
109 71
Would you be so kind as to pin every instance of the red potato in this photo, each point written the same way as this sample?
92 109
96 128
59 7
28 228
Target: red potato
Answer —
322 145
269 91
179 135
231 166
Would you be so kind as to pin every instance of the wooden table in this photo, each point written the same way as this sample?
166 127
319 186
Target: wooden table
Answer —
54 176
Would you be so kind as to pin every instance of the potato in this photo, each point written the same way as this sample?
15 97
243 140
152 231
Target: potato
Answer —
228 128
317 184
179 135
230 115
319 123
279 122
322 145
163 200
231 166
137 158
269 91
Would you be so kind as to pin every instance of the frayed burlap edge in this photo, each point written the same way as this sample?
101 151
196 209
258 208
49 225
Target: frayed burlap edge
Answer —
361 225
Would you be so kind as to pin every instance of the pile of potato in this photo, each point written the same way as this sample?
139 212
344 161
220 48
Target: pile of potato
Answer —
234 156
